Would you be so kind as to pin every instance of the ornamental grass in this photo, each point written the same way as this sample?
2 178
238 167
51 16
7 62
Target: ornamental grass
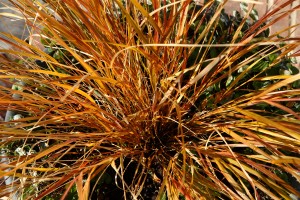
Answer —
157 99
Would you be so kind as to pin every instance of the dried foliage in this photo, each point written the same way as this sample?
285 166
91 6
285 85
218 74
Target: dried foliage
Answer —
160 97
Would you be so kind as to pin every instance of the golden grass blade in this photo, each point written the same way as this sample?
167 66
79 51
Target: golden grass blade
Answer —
147 15
36 157
231 180
268 122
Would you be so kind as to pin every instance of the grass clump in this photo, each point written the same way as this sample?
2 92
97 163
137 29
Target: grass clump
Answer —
142 99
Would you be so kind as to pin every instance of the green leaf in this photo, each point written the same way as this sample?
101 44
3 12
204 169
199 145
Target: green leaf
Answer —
254 14
244 7
229 80
272 57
